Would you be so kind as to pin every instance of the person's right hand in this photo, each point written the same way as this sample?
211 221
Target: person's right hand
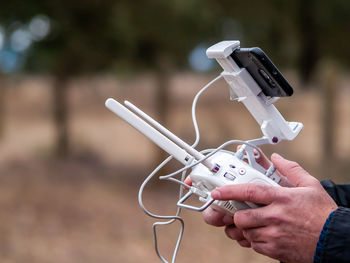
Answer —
289 224
220 219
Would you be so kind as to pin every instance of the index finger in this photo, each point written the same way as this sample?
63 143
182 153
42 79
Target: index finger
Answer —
256 193
262 160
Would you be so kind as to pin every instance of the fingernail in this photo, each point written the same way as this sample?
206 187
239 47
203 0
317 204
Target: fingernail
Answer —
216 194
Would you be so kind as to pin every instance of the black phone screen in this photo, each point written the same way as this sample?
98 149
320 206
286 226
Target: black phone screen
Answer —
263 71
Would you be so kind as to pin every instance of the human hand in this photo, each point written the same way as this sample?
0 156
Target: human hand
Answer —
287 228
218 218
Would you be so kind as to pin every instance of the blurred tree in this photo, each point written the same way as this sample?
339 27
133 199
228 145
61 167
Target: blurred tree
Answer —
309 38
293 33
82 40
95 35
160 35
334 29
8 19
2 103
88 36
323 28
267 24
328 82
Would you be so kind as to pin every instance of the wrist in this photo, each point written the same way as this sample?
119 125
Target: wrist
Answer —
320 243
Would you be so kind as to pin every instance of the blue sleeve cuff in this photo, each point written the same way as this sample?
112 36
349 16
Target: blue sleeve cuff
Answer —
320 243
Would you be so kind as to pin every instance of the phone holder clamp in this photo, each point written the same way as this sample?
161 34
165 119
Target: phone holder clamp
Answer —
244 88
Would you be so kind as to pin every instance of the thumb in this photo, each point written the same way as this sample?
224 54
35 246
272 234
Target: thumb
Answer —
293 171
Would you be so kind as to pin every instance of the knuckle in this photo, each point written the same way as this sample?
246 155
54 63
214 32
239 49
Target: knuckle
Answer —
234 233
244 243
247 235
252 235
315 182
274 234
295 164
208 220
211 217
283 197
249 192
243 216
274 217
287 197
273 193
239 219
292 165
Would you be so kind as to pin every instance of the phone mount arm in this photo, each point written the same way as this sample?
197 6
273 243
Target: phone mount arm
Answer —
244 89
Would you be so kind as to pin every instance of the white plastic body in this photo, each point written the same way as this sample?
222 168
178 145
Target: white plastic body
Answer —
244 89
154 135
151 133
189 149
232 171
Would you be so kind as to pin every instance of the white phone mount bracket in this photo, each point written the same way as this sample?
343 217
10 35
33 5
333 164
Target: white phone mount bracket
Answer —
244 89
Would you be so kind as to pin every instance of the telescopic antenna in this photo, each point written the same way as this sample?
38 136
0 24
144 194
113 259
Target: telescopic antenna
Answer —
197 155
171 147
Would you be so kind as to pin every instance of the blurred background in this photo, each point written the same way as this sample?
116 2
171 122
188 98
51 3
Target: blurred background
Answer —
70 170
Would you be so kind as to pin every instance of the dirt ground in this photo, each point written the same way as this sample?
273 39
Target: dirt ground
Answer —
85 209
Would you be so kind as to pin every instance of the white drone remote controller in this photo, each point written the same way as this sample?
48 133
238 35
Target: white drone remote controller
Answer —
219 167
223 167
232 170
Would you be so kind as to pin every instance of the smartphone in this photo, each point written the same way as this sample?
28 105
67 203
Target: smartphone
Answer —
263 71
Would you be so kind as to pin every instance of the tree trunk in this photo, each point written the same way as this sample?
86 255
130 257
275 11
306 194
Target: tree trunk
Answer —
60 112
2 104
329 82
162 97
308 38
162 100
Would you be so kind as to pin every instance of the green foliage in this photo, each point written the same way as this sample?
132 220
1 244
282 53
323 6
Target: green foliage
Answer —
83 37
154 28
334 29
93 35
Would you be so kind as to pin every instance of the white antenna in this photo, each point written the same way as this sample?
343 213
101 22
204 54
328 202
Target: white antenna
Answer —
171 147
197 155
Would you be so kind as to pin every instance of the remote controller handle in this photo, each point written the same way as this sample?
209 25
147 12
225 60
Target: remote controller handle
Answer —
232 171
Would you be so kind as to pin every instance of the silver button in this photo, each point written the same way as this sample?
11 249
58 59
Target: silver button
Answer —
229 176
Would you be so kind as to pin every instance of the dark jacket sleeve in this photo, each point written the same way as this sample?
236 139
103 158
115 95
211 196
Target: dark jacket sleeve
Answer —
339 192
334 242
